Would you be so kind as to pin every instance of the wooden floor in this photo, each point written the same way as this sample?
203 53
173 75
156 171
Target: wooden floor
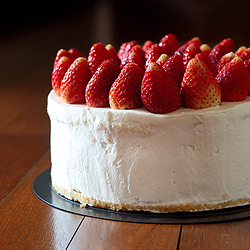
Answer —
28 223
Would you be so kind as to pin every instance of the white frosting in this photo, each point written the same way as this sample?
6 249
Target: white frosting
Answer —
139 158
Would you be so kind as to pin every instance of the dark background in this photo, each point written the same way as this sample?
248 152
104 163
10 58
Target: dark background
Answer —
34 31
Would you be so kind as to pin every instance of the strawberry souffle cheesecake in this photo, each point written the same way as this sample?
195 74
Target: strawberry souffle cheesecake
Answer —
158 127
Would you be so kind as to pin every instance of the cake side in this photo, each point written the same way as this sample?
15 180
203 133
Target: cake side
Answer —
133 160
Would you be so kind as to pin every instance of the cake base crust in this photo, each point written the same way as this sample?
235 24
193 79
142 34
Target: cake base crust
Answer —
85 201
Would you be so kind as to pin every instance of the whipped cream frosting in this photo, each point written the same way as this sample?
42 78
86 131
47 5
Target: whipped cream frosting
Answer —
134 158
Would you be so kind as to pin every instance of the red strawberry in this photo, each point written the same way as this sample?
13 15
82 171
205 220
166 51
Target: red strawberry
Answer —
97 55
127 49
154 53
133 57
174 68
224 60
205 48
138 50
122 50
203 56
162 59
74 53
190 53
246 54
112 53
75 81
97 90
219 50
194 40
240 50
247 64
170 44
60 53
58 73
234 81
159 93
125 91
147 45
199 89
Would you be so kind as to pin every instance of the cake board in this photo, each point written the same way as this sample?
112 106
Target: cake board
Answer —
43 189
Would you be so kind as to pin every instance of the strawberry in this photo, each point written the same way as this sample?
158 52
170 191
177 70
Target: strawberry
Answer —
133 57
58 73
205 48
112 53
170 44
97 54
97 90
246 54
146 46
174 68
199 89
125 91
122 50
194 40
159 93
219 50
75 81
203 56
162 59
125 49
71 53
190 53
234 81
154 53
240 50
247 65
60 53
138 50
74 53
224 60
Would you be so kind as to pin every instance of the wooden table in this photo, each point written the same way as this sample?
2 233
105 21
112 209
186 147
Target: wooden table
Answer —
28 223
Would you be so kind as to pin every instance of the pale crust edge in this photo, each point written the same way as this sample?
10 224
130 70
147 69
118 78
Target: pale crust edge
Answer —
85 201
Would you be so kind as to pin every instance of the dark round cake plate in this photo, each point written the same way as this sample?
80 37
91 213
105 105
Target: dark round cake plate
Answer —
43 189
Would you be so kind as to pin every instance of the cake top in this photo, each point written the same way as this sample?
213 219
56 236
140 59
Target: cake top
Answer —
160 77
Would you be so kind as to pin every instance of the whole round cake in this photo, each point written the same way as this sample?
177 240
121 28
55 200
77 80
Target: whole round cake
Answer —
126 136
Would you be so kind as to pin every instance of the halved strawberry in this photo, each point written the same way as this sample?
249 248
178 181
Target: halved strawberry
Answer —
58 73
75 81
159 93
234 81
126 89
97 54
97 90
170 44
199 89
